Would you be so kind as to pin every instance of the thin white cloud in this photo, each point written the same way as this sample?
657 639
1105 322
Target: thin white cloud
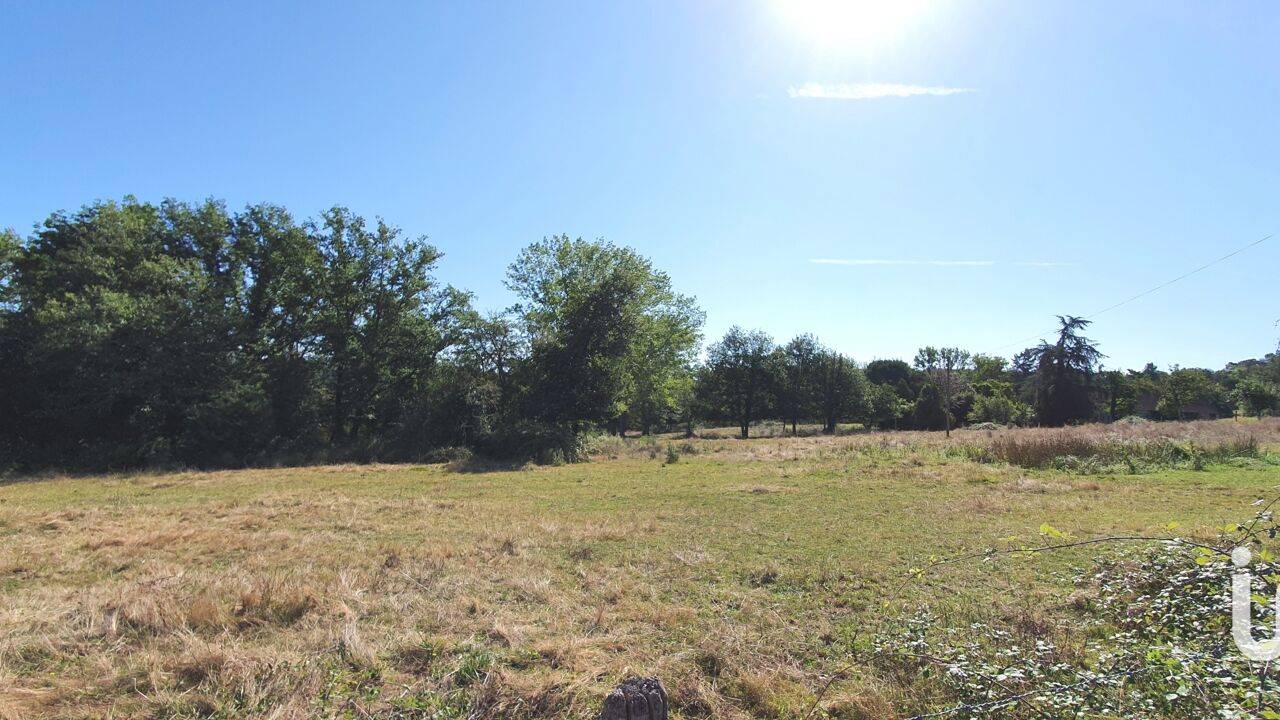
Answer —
970 263
863 261
869 91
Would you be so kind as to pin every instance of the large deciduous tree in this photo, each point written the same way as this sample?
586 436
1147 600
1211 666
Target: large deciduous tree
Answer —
1257 397
150 334
12 369
905 381
945 368
10 251
608 335
382 322
125 327
740 375
886 405
840 390
797 379
1183 386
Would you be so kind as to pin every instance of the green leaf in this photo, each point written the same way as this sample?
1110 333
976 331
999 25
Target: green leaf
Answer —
1050 531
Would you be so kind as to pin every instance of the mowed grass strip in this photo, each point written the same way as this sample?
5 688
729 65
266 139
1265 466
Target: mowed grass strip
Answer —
742 575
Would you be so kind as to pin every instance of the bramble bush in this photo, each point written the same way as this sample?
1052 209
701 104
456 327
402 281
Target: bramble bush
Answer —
1151 637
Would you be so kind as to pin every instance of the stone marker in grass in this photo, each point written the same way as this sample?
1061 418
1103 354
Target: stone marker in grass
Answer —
636 699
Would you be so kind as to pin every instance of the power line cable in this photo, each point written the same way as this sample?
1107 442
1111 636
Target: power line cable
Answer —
1145 293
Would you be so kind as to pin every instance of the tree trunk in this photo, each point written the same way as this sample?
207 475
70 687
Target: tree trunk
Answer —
335 433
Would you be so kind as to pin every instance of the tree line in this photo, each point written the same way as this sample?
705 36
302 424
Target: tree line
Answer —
1055 383
136 334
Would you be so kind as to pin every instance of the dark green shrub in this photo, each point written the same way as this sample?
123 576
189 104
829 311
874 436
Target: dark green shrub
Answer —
543 443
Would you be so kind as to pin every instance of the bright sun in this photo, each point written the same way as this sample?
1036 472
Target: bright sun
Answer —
851 25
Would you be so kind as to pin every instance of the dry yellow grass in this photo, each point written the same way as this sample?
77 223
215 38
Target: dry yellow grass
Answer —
773 443
738 575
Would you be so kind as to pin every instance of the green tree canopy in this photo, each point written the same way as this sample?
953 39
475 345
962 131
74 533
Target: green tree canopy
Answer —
1183 386
186 333
1062 373
840 390
740 376
608 335
946 368
1257 397
798 379
886 406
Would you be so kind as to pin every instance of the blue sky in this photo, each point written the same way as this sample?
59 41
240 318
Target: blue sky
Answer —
973 168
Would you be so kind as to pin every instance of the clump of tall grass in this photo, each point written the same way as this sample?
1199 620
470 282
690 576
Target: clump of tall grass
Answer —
1091 453
600 445
1131 446
651 447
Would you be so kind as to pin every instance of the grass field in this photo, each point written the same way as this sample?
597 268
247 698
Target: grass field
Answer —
744 574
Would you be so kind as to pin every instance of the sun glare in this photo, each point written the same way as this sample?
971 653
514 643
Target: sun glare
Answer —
851 25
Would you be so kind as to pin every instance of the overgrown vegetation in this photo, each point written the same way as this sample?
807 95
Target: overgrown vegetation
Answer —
758 579
186 335
1152 638
141 335
1120 448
